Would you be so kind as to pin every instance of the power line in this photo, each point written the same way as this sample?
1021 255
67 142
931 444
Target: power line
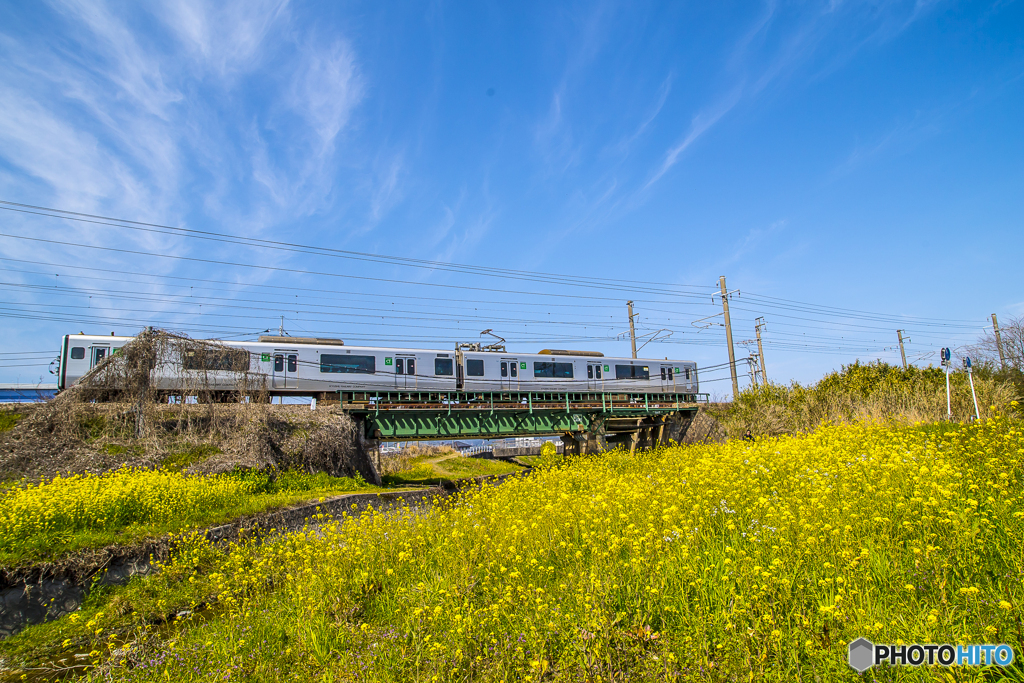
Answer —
579 281
298 271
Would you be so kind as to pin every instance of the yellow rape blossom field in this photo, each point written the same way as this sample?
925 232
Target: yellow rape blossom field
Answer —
742 561
40 520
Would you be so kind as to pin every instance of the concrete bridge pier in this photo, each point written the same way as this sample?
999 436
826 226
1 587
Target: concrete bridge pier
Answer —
366 453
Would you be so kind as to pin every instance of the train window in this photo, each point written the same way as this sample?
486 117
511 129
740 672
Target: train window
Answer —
514 368
663 377
474 368
504 369
399 366
597 369
278 363
546 369
444 366
632 372
77 352
410 366
590 372
670 373
365 365
293 363
687 373
215 359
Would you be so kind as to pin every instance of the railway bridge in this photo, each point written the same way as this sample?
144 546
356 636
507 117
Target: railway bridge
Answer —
586 422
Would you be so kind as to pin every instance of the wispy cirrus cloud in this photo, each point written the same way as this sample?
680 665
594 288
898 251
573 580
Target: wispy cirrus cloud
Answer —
765 55
700 124
119 119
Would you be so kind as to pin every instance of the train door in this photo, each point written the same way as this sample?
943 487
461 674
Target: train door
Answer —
510 374
286 369
668 379
405 371
595 378
97 354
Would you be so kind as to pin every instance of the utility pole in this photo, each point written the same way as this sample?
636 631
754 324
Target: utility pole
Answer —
728 338
903 354
752 369
760 350
632 332
999 342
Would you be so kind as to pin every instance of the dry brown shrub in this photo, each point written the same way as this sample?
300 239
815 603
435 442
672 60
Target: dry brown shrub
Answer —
118 414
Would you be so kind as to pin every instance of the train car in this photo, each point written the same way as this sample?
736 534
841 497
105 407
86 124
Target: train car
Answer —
559 371
308 366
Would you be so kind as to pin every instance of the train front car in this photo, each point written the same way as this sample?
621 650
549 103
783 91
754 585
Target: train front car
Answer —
80 353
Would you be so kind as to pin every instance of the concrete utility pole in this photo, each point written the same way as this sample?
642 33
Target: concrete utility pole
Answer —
728 338
760 350
999 342
752 369
632 332
903 354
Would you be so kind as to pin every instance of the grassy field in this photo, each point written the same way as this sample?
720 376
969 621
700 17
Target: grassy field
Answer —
429 469
42 521
713 563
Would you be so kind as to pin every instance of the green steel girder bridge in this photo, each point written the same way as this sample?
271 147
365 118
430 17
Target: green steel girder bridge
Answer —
585 421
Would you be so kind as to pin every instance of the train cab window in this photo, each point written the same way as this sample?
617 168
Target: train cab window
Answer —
474 368
410 366
504 369
444 366
293 362
278 363
590 372
399 366
513 368
77 352
632 372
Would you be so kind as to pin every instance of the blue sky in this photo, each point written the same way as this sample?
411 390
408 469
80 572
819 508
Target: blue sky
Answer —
849 156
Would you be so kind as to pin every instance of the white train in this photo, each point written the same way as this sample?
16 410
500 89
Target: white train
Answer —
309 366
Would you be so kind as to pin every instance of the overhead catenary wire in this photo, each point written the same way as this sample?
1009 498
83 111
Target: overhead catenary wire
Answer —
820 319
577 281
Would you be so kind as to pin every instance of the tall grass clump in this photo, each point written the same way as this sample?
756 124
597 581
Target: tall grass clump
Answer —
865 392
723 562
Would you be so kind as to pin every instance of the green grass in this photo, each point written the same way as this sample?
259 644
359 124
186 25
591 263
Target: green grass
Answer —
9 418
117 449
475 467
186 456
430 470
124 611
